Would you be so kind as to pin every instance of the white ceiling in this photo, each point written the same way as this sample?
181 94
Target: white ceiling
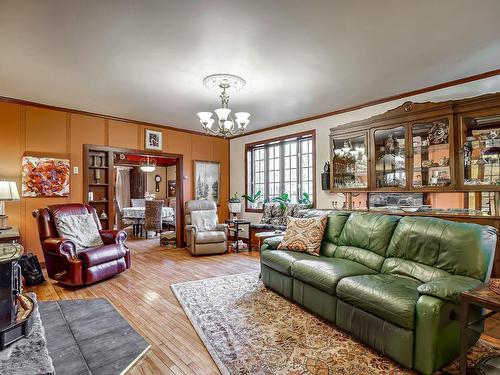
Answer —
145 60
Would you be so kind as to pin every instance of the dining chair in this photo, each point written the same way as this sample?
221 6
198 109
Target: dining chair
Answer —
121 222
153 217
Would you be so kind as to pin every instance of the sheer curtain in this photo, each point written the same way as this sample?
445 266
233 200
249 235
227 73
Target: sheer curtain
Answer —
122 187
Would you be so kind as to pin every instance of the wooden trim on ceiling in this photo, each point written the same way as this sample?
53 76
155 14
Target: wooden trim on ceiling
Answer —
99 115
370 103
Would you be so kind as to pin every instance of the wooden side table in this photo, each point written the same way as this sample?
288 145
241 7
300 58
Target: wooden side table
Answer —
234 226
10 235
483 297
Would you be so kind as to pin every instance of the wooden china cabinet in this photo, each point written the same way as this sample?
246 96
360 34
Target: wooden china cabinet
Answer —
420 147
406 149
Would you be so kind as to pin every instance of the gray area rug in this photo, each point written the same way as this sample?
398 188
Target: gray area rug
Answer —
90 337
248 329
28 355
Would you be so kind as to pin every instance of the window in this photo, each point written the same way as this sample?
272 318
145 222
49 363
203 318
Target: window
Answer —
281 165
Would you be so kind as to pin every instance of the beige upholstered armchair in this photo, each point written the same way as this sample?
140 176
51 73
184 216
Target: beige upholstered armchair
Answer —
204 235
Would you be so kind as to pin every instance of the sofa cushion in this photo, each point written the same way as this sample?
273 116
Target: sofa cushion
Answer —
267 227
359 255
282 260
459 248
210 237
304 235
392 298
92 256
325 273
408 268
369 231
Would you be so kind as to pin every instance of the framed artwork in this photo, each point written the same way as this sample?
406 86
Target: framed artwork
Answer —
172 188
45 177
153 140
207 180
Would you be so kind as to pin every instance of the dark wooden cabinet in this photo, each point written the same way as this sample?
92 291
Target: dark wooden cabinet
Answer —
420 147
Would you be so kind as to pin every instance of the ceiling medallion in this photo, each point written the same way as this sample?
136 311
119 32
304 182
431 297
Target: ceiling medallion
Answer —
225 125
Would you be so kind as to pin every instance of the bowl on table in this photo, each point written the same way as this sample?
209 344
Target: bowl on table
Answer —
409 208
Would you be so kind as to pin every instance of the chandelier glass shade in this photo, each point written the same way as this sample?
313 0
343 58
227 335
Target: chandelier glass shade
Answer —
148 164
224 123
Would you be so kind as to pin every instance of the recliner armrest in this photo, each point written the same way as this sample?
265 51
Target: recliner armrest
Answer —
449 288
190 227
61 246
110 237
271 243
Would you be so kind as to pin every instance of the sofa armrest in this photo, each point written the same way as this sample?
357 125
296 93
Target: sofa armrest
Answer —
62 247
271 243
448 288
110 237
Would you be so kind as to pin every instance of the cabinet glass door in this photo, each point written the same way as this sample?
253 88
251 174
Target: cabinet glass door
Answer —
349 162
390 157
431 154
481 151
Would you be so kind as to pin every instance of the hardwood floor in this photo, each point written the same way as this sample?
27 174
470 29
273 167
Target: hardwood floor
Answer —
142 295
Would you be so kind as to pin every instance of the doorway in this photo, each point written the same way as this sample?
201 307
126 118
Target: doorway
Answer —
131 185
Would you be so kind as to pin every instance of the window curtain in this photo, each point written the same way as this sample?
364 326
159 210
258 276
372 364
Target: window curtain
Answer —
122 187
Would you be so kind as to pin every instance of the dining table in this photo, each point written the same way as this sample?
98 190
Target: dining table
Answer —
139 213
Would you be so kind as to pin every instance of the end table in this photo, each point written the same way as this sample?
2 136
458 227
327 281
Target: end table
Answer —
234 226
10 235
483 297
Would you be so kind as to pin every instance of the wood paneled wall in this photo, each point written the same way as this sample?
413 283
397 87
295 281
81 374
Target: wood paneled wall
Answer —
25 129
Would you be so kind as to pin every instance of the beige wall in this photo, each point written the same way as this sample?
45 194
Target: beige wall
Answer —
25 129
322 127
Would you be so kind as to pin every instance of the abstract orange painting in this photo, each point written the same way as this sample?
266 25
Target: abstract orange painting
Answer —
45 177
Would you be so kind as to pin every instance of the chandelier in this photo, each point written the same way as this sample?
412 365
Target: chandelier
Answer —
224 124
147 164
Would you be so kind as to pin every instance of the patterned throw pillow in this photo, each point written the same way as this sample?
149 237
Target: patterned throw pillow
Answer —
304 235
81 229
267 214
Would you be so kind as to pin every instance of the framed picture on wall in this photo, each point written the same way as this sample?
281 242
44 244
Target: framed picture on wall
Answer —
207 180
153 140
45 177
172 188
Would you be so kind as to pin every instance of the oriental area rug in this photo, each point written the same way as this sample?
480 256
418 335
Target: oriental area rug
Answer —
249 329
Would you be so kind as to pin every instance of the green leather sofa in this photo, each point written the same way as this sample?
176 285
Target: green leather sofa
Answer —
391 282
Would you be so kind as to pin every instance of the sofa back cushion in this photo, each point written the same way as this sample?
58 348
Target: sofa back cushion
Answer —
333 229
458 248
371 232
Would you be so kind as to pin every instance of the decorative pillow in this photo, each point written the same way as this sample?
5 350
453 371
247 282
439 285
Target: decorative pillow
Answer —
267 213
204 221
81 229
304 234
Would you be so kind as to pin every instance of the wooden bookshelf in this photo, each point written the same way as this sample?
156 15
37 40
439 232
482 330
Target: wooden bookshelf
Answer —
97 178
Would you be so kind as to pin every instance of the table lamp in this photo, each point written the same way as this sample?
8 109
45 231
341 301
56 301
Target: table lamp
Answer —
8 192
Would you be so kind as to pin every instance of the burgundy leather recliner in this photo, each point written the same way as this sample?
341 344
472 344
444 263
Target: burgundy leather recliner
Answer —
75 267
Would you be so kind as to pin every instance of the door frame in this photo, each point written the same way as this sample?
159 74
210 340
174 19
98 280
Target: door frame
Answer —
179 199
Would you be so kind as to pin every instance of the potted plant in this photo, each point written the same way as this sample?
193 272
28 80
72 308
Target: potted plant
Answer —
305 200
283 200
234 205
253 199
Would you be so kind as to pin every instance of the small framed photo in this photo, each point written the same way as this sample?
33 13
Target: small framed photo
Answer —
153 140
